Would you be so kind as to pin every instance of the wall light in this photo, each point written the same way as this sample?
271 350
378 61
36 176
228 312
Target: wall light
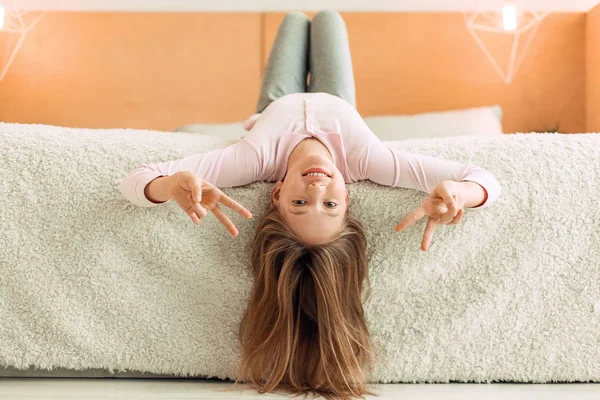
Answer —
509 17
14 23
490 18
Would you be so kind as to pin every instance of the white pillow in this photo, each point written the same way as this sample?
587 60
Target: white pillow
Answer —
232 131
481 121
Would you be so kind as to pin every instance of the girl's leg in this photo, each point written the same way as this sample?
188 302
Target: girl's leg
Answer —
330 59
287 66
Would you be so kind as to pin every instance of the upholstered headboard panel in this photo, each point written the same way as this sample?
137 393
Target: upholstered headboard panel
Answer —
408 63
135 70
593 70
164 70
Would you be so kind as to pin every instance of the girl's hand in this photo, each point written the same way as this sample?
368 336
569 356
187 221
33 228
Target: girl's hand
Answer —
444 205
196 197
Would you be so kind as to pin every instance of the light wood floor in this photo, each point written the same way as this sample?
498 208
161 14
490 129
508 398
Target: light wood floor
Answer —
169 389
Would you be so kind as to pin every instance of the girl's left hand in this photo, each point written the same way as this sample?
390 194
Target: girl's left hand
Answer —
444 205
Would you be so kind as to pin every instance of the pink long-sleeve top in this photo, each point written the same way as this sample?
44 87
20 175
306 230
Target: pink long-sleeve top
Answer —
262 154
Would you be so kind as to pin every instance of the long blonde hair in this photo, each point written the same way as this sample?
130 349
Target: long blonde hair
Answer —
304 330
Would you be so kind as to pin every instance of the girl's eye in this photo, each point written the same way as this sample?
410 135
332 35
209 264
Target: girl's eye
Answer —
298 202
330 204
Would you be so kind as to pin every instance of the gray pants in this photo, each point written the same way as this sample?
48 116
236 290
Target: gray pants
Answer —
321 47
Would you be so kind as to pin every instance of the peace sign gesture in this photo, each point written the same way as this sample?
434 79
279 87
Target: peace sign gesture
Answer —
196 197
444 205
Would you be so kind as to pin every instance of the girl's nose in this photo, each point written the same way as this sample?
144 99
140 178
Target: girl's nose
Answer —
316 187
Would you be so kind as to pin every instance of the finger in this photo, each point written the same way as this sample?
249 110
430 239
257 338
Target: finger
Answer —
458 207
446 218
196 185
225 220
235 206
411 218
185 205
441 213
461 210
450 202
428 234
193 215
458 217
197 207
461 202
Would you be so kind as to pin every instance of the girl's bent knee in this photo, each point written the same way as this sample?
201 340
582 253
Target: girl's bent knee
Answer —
327 15
296 15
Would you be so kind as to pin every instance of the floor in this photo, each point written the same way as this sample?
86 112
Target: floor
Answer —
165 389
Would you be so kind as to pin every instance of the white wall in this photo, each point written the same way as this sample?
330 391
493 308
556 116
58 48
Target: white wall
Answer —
284 5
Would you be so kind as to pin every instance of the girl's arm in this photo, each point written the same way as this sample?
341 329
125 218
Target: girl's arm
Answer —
250 122
235 165
474 194
157 191
397 168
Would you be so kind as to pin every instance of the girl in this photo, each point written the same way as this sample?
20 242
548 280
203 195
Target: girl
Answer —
304 329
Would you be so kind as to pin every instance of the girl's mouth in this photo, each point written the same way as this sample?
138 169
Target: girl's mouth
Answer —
317 172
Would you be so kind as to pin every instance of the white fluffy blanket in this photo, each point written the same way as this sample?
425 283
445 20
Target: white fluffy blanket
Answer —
88 280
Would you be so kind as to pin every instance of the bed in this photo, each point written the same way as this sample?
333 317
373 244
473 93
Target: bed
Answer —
93 286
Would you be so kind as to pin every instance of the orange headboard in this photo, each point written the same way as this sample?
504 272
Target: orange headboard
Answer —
593 70
135 70
163 70
408 63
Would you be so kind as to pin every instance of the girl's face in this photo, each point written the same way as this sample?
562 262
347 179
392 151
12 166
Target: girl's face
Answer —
313 205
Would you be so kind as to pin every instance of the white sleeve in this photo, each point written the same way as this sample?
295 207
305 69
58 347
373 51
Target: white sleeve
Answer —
235 165
392 167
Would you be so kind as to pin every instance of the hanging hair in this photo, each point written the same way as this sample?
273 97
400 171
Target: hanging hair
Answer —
304 330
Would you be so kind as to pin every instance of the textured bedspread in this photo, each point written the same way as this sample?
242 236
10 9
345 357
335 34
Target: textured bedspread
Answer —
88 280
